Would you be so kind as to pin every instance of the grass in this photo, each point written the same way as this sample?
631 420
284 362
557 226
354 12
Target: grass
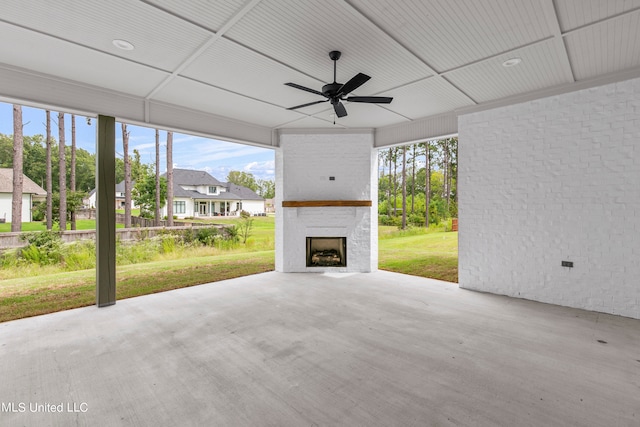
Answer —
426 253
81 224
56 292
419 253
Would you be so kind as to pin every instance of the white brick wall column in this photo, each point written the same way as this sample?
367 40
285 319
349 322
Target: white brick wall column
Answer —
305 164
552 180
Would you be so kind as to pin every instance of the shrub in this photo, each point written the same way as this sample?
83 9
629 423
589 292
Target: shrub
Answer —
416 219
44 247
207 236
232 233
389 220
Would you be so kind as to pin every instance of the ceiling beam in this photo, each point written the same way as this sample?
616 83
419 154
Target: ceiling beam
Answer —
202 48
551 14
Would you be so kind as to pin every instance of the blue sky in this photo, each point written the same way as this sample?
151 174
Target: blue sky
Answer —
189 152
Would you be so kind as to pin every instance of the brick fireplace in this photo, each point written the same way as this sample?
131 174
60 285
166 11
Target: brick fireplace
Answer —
326 190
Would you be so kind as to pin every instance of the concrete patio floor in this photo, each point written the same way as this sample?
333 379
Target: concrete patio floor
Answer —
275 349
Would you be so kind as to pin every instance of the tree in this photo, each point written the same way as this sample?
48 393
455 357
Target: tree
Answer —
170 179
127 177
156 215
62 173
138 169
245 225
404 187
427 184
16 200
388 160
144 194
74 202
73 166
414 154
244 179
49 206
445 167
266 188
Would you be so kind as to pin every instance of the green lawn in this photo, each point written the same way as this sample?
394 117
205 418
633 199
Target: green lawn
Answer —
433 255
417 252
32 296
81 224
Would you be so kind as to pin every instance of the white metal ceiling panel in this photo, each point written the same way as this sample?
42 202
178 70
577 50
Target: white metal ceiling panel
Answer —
605 48
160 39
447 34
251 74
198 96
427 97
58 58
541 67
577 13
209 14
302 33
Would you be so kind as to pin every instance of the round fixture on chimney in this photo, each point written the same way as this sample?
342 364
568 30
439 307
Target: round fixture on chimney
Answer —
511 62
122 44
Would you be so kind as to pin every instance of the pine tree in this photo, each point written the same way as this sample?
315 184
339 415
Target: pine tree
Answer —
63 173
156 216
170 179
49 177
18 148
404 187
127 177
73 166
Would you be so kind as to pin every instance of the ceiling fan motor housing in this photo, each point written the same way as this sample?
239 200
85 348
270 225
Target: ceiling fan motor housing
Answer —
331 89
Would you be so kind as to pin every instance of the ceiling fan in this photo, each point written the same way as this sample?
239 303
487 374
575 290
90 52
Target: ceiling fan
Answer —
336 92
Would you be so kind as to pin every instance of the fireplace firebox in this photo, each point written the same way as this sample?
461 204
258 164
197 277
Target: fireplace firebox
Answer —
326 251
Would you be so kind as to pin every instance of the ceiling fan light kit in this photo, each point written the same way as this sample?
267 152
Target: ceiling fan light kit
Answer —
336 92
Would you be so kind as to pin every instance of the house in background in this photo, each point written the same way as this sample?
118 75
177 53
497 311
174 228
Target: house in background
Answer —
90 200
30 192
198 194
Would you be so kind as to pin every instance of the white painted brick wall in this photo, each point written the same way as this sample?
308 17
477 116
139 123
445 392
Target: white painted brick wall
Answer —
304 163
551 180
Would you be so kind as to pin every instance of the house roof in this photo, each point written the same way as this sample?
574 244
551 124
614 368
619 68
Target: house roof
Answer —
243 193
28 186
120 186
196 177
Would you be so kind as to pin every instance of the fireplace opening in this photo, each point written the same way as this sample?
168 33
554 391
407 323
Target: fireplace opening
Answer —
326 251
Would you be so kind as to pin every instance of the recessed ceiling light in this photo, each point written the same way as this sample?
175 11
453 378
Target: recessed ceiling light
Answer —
511 62
122 44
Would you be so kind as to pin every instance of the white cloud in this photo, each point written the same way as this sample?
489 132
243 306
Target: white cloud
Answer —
262 170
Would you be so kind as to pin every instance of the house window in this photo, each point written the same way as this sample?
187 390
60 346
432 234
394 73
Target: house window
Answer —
179 207
213 190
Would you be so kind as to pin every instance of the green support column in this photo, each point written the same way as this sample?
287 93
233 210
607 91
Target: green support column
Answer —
106 211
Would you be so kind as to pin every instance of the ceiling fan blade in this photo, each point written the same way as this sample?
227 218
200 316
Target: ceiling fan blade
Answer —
338 107
353 84
372 99
304 88
307 104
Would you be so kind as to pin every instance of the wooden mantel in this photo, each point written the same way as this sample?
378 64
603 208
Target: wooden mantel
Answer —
323 203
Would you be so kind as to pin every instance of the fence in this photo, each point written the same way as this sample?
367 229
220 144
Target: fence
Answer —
136 221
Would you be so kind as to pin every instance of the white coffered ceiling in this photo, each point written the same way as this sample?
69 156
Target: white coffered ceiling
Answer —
218 67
